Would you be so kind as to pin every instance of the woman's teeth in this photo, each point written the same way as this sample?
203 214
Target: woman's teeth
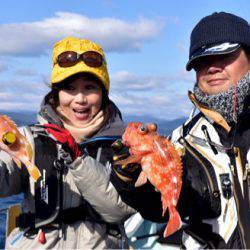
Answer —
81 111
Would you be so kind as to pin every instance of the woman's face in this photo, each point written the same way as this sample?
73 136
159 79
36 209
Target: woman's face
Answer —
80 100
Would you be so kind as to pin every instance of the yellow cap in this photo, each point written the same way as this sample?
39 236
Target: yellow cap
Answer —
80 46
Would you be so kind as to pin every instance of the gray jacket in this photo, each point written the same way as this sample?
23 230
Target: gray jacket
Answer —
86 180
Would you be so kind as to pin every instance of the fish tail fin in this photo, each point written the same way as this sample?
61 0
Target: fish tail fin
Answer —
174 222
164 202
33 170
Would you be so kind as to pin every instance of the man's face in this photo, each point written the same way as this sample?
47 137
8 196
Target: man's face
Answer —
218 73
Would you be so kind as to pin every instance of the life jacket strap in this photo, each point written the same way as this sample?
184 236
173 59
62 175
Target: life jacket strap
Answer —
68 216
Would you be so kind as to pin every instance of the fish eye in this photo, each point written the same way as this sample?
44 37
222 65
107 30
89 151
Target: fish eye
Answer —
143 129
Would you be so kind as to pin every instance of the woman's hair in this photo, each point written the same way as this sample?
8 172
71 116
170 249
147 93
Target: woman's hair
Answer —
52 98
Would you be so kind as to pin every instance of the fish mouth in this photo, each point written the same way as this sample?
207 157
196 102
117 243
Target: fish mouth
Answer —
125 143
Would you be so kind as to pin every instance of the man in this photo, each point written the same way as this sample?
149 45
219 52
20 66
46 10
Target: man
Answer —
215 144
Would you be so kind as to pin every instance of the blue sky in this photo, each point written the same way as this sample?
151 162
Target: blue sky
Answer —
146 44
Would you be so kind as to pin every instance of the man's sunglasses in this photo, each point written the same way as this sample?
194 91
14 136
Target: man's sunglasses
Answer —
70 58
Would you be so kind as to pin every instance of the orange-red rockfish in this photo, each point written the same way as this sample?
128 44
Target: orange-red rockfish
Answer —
17 146
161 165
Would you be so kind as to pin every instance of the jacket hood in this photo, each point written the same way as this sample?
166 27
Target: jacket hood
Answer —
114 126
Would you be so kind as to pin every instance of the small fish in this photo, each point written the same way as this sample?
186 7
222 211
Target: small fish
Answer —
17 146
161 165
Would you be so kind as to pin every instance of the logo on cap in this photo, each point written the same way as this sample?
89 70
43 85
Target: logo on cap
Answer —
221 47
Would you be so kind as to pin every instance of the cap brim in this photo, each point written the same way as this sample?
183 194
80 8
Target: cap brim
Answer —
210 52
59 73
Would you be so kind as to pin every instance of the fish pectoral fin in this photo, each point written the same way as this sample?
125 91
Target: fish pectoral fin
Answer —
130 159
18 162
142 179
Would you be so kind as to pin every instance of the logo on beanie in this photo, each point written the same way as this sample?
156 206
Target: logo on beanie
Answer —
222 47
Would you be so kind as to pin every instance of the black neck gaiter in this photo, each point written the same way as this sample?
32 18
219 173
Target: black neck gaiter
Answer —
223 102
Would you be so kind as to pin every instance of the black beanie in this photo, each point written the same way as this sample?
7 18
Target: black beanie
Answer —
220 27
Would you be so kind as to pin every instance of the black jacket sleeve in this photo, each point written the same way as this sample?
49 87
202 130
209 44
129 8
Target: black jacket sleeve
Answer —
144 199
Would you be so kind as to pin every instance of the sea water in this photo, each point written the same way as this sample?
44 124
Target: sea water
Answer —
4 204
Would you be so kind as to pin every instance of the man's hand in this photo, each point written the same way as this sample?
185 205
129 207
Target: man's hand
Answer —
126 172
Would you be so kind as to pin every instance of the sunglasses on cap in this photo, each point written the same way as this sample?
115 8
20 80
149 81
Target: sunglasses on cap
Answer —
70 58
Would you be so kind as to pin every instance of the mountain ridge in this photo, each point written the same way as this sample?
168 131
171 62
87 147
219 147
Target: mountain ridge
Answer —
165 127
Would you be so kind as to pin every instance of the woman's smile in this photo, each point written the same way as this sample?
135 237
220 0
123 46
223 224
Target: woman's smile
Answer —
80 100
82 114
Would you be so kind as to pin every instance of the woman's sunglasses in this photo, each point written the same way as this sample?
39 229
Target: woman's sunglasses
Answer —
70 58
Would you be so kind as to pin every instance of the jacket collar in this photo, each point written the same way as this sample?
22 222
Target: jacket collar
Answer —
210 113
114 125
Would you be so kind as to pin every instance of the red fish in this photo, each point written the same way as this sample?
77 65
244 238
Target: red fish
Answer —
17 146
161 165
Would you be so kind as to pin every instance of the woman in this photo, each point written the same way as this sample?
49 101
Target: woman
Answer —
74 203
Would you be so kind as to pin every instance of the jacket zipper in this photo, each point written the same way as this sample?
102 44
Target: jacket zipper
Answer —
239 221
237 205
182 141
